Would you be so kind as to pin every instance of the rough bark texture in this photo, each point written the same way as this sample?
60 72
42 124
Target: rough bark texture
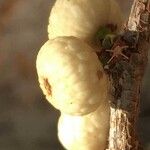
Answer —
126 77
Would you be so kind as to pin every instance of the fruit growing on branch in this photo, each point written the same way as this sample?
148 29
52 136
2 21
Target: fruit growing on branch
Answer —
71 76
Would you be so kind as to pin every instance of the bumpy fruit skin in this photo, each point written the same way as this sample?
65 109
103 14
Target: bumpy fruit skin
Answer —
89 132
71 76
79 18
82 18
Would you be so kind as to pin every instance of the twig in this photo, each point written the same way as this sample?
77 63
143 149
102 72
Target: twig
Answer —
125 105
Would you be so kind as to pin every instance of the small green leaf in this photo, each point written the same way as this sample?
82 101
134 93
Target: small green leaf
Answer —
108 41
102 32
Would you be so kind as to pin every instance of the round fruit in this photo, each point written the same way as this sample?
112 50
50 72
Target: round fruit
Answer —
89 132
79 18
71 76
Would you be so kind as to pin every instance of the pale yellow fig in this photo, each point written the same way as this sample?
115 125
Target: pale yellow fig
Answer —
71 76
82 18
79 18
89 132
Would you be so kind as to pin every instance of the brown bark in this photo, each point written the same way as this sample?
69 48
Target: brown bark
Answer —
126 80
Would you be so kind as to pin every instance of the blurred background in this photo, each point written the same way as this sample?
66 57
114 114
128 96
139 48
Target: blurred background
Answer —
27 120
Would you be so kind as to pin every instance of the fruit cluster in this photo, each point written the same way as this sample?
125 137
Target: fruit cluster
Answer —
71 74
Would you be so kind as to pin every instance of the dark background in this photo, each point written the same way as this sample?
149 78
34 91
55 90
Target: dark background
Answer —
27 120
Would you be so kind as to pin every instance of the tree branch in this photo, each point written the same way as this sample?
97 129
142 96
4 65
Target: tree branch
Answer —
126 77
